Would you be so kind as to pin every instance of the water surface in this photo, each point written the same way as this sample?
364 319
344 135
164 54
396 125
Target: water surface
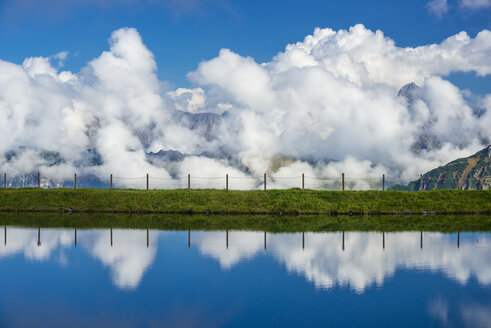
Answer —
52 277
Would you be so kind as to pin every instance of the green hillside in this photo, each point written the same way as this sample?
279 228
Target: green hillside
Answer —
470 173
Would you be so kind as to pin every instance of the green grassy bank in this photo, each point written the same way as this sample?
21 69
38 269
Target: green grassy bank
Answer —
292 201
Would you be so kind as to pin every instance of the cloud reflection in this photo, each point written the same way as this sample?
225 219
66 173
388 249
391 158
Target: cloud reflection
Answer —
128 257
476 315
26 241
242 245
367 259
363 262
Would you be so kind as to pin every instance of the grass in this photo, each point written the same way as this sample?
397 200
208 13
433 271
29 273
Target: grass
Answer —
269 223
292 201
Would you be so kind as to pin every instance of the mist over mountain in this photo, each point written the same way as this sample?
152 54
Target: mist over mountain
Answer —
470 173
339 101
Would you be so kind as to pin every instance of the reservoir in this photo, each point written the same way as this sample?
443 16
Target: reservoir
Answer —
121 277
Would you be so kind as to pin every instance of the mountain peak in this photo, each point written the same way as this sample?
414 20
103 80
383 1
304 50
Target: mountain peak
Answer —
410 91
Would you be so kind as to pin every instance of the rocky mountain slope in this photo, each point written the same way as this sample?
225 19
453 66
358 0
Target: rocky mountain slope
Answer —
205 123
473 172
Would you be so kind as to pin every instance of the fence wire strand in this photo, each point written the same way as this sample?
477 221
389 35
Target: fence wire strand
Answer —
232 182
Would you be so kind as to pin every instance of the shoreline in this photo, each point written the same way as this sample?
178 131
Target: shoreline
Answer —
226 213
270 223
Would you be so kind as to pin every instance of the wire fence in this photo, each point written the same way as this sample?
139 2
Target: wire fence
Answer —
226 182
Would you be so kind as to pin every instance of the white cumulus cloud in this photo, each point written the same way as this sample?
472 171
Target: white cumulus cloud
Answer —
324 105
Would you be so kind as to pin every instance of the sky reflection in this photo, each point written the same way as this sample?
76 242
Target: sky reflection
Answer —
357 260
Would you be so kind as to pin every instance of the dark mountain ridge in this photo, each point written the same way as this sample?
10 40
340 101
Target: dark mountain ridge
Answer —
469 173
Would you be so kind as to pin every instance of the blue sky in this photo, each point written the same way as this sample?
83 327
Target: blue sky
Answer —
181 33
331 100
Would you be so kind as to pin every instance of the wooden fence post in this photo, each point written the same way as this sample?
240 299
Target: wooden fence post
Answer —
303 181
342 182
189 182
39 181
226 182
5 181
421 183
75 181
147 181
264 181
111 182
383 182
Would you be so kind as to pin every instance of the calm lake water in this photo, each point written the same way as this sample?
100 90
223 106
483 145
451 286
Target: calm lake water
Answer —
146 278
